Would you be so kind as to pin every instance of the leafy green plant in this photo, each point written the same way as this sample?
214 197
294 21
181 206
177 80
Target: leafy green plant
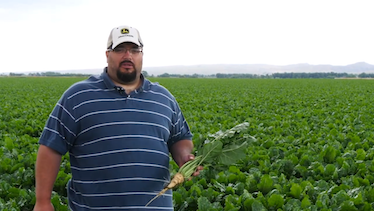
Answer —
225 149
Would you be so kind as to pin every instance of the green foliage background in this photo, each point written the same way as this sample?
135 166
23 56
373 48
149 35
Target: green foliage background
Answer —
314 148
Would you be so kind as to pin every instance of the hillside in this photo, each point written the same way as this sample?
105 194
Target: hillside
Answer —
261 69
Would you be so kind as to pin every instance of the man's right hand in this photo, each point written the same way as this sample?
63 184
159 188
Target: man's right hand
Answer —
44 207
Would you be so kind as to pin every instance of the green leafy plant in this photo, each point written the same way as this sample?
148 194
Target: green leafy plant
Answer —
225 149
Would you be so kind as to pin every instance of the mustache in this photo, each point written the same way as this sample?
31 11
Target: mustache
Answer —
126 61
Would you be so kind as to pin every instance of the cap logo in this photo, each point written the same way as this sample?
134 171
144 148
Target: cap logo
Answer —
125 31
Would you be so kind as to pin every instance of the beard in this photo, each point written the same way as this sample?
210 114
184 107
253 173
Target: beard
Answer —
126 77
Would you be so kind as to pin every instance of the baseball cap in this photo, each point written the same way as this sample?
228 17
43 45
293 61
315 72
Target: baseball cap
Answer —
123 34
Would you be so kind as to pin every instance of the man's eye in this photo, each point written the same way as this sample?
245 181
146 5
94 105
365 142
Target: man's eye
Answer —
135 50
119 50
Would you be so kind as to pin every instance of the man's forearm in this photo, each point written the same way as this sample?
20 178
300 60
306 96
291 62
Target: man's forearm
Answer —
47 167
181 150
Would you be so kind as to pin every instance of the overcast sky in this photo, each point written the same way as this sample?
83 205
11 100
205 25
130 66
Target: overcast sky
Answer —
47 35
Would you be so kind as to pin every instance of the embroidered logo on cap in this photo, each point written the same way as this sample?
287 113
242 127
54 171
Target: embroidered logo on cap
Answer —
125 31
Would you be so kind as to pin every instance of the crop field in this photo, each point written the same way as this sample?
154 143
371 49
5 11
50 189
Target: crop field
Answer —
313 148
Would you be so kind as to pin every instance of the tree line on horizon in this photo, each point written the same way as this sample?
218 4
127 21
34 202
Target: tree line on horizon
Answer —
284 75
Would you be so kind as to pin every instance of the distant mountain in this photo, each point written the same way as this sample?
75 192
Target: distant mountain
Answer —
354 68
260 69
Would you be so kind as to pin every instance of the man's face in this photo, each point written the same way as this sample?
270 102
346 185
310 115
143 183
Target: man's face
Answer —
125 63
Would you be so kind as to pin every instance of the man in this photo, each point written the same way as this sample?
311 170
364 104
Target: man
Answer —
119 129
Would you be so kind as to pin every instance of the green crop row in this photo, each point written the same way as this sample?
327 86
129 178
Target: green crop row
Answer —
313 149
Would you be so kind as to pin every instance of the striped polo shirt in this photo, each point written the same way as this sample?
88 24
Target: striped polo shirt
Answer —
118 143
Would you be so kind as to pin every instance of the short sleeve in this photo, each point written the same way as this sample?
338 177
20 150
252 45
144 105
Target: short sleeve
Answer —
60 130
180 129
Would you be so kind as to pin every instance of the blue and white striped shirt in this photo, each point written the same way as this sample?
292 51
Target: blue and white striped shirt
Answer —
118 143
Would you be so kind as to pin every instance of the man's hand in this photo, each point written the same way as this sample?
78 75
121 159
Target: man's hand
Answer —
181 152
198 169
